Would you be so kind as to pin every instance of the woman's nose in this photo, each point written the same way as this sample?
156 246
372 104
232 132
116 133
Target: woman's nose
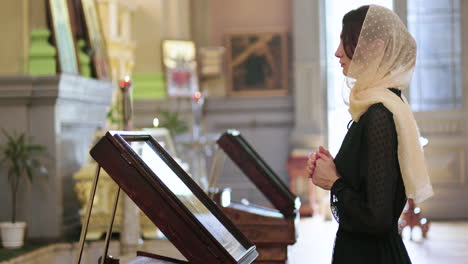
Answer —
338 53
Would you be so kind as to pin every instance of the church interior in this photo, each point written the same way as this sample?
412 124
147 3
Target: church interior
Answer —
123 113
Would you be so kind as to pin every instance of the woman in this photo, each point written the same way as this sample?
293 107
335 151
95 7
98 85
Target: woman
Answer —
380 163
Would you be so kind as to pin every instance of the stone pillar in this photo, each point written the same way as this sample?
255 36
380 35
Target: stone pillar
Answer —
310 91
401 8
176 19
126 25
14 25
201 22
309 74
202 30
37 14
113 20
61 112
130 234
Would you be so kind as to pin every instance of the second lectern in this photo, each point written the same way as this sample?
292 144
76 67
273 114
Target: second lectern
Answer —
272 230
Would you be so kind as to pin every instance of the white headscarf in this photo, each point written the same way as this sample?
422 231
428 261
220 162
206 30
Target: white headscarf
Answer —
384 58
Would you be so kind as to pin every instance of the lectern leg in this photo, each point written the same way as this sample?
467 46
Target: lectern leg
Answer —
84 229
109 230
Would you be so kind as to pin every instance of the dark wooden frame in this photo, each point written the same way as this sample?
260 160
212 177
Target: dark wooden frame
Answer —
159 257
233 61
271 230
53 22
258 171
162 206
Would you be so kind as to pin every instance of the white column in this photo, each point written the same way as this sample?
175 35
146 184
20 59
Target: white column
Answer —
201 22
113 20
309 74
126 23
130 234
401 8
176 19
26 35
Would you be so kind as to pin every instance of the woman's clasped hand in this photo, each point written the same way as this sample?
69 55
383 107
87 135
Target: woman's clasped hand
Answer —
321 168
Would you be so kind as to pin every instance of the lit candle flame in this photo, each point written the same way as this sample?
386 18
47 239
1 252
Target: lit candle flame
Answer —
155 122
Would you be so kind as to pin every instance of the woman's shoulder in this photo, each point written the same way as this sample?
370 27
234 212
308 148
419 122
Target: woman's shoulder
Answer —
377 113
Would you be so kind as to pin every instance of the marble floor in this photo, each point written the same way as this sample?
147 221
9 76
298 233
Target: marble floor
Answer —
447 243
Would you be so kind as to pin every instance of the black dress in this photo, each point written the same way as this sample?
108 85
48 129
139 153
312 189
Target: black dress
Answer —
369 198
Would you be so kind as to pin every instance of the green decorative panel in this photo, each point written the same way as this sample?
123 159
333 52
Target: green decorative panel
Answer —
84 59
148 86
42 54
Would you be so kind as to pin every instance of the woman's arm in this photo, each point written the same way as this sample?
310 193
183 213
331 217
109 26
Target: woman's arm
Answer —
371 209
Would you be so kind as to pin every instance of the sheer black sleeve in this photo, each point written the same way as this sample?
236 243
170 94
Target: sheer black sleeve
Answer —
370 209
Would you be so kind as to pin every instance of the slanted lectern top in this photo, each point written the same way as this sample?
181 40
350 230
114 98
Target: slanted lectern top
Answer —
171 200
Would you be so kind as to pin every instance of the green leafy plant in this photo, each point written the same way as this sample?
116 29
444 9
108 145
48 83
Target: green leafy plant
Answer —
19 158
114 115
172 121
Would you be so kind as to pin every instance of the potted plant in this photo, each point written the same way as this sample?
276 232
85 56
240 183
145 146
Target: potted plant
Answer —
18 156
172 121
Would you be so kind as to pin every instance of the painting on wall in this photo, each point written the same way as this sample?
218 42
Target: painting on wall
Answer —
63 36
96 39
257 63
180 65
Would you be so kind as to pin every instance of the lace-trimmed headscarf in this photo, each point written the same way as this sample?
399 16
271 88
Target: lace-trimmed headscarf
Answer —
384 58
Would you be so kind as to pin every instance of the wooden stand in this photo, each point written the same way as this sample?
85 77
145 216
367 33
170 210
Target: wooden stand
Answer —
145 258
190 219
271 230
109 260
412 217
271 235
148 258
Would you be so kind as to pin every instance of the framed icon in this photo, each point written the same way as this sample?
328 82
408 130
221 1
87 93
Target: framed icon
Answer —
180 66
59 17
96 39
257 63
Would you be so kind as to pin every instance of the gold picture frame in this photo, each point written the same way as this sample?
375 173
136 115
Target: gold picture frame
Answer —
96 39
180 67
64 39
257 63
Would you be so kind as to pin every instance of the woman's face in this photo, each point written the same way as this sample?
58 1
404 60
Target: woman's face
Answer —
344 60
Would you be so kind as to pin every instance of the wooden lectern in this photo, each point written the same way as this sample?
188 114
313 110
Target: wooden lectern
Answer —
170 199
271 230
